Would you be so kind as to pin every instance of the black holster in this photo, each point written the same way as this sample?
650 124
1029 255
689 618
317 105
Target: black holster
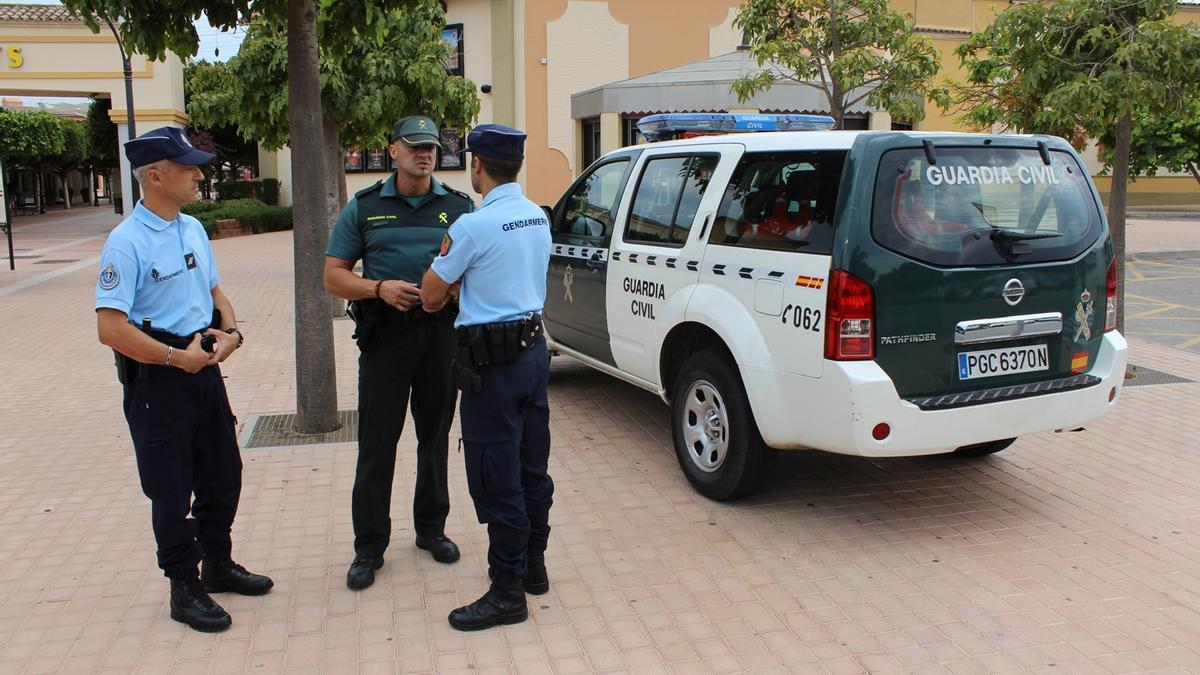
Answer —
367 316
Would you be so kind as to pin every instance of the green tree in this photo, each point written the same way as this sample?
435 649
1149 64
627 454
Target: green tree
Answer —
31 140
72 157
103 149
1170 141
852 52
1080 69
234 150
363 90
153 27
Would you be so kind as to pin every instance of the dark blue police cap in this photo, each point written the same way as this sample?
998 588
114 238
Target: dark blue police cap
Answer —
496 141
165 143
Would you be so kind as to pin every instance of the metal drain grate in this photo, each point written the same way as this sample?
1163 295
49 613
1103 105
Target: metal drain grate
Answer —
56 262
1136 376
272 431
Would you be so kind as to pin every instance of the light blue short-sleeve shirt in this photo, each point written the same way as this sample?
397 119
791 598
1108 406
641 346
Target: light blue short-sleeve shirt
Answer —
156 269
501 253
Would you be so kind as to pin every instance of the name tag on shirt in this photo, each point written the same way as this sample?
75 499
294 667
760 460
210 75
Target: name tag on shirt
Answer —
190 259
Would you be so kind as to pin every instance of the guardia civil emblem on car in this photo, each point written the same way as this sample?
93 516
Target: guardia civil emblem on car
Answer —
1083 317
568 281
1014 290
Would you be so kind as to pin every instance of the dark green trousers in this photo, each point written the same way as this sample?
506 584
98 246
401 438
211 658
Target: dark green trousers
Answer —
409 364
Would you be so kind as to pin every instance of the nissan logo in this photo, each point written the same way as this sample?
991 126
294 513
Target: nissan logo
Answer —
1014 290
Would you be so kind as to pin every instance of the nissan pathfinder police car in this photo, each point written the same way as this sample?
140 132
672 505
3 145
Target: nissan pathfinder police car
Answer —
868 293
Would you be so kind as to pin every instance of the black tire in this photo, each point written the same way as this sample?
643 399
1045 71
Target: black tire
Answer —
716 440
984 449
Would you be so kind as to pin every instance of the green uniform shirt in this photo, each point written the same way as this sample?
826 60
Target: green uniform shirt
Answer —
394 238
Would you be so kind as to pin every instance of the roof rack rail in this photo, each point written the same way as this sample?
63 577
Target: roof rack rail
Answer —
668 126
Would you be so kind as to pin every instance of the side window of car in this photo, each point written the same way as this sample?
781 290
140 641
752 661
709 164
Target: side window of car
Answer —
781 201
667 198
590 207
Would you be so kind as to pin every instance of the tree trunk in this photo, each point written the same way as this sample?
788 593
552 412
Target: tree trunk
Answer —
1116 208
91 187
1191 167
38 195
66 191
336 189
316 377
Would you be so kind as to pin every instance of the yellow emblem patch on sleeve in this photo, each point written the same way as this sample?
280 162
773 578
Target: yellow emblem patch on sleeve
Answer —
446 242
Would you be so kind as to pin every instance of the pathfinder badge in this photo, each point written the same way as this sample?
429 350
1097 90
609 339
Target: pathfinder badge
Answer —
1083 316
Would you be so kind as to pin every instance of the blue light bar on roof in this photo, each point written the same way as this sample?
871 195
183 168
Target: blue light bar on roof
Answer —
667 125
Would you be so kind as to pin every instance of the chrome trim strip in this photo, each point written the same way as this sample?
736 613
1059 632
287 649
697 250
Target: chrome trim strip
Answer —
1007 328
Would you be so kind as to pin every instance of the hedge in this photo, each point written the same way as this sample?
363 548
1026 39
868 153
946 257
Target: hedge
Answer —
257 217
266 190
269 191
202 206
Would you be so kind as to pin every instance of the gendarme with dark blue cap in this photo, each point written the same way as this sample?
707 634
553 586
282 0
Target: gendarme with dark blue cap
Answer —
165 143
497 141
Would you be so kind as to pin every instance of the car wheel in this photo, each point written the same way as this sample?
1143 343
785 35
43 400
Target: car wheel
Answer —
716 440
984 449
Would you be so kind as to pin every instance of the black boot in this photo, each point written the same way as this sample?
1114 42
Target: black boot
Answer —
536 581
362 571
191 605
228 576
504 603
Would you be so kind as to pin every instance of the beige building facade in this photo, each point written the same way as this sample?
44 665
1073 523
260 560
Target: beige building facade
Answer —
547 66
47 53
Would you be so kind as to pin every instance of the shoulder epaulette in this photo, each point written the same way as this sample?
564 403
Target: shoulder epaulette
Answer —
457 193
369 189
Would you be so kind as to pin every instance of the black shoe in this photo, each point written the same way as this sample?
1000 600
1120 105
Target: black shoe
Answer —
504 603
362 571
228 576
191 605
443 550
536 581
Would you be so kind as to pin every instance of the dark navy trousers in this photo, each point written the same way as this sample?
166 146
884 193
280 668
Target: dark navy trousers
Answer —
506 440
184 439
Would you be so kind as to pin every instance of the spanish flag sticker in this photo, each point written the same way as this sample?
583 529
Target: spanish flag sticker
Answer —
809 282
446 242
1079 362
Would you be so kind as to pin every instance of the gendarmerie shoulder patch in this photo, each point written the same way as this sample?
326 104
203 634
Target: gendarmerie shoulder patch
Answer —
109 277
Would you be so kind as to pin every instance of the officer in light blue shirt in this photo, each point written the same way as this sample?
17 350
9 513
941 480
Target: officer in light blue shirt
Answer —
155 297
496 259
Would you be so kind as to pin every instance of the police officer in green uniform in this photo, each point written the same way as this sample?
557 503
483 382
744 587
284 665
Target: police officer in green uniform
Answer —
499 255
396 228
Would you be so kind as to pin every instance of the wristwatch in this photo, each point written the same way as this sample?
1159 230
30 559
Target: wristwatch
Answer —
241 338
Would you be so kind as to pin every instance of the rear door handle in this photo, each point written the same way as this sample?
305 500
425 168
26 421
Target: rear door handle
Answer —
708 218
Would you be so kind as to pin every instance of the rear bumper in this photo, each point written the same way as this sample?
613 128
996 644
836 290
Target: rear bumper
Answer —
838 412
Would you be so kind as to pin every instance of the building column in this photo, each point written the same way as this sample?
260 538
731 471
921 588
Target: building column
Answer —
610 133
124 178
880 119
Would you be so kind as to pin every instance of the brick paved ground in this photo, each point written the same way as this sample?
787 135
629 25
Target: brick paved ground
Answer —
1071 552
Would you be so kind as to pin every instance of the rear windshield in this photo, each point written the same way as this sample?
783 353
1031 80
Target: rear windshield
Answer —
984 206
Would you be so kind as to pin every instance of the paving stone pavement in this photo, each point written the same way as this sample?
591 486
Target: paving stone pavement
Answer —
1070 552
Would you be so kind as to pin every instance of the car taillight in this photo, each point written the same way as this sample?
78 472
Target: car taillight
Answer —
1110 297
850 318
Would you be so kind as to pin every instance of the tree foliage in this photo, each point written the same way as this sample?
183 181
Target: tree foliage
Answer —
1169 141
1073 68
853 52
364 88
30 138
102 136
234 150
